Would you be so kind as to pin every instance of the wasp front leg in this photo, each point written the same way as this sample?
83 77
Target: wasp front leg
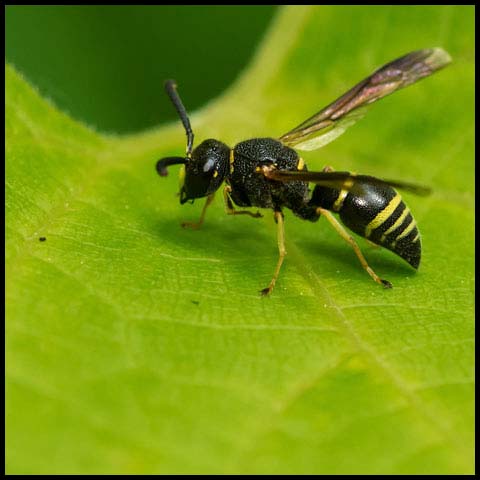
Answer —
195 225
230 209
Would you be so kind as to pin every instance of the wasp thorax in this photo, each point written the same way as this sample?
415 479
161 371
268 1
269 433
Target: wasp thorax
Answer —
205 170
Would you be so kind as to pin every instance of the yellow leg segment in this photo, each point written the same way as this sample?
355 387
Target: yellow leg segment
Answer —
195 225
281 250
348 238
230 210
372 244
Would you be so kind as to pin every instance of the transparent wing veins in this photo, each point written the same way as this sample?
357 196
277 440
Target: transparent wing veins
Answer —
326 125
342 180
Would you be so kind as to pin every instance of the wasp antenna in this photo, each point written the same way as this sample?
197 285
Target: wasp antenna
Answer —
171 89
162 164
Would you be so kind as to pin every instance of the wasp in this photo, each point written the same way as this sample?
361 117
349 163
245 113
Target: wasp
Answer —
269 173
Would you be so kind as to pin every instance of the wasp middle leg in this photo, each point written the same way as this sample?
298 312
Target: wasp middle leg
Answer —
278 216
230 209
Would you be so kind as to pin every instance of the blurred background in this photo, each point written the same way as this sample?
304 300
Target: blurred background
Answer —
81 57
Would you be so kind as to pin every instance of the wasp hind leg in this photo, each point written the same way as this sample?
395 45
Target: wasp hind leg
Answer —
348 238
230 209
196 225
278 216
374 245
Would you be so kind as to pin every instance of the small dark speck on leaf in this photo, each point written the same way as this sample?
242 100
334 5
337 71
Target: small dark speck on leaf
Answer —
43 239
195 302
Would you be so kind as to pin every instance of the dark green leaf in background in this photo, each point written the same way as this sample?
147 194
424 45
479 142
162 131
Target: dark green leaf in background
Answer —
106 65
134 346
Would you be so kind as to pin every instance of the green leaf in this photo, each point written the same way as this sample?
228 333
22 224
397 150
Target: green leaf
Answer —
134 346
76 54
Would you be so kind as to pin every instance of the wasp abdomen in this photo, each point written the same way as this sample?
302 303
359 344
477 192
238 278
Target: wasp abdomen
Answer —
381 215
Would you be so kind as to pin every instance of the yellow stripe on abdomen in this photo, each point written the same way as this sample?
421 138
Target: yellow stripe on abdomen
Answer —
407 230
383 215
399 221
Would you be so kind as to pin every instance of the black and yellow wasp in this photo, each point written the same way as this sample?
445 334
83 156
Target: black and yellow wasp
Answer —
268 173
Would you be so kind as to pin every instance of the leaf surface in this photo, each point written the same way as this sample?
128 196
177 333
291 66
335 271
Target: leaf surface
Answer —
134 346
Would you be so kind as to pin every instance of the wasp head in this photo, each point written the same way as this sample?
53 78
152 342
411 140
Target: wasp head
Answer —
205 169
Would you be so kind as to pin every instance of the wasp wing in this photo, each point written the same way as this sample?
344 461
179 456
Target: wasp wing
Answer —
334 119
342 180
